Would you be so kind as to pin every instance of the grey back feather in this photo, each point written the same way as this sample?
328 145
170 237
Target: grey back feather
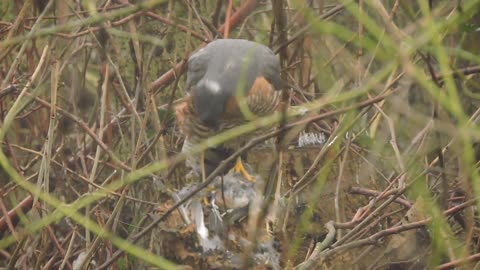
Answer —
233 63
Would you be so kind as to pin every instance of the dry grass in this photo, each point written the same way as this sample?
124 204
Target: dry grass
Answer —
90 147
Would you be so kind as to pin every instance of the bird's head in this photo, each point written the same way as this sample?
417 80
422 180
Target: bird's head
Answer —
209 101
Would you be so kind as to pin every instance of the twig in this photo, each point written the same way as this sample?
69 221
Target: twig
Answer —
90 132
373 239
57 245
168 110
8 90
200 20
44 172
69 249
216 12
23 207
459 73
280 26
18 57
227 19
92 19
319 247
234 21
81 177
459 262
94 29
303 30
177 25
111 219
367 219
6 220
393 143
20 16
380 195
17 104
340 215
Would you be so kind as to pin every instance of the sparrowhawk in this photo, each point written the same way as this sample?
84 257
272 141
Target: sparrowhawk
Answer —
221 77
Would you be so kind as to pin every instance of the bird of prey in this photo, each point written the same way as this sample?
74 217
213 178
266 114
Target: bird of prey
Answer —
224 78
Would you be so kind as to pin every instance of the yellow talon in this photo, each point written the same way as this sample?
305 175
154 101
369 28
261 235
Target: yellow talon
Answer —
205 201
239 168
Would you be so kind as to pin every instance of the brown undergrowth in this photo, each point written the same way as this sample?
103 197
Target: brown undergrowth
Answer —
376 167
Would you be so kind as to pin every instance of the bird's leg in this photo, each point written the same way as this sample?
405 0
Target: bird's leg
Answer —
209 189
205 201
240 168
202 166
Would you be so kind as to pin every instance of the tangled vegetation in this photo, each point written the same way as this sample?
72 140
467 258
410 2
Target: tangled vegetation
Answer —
377 168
